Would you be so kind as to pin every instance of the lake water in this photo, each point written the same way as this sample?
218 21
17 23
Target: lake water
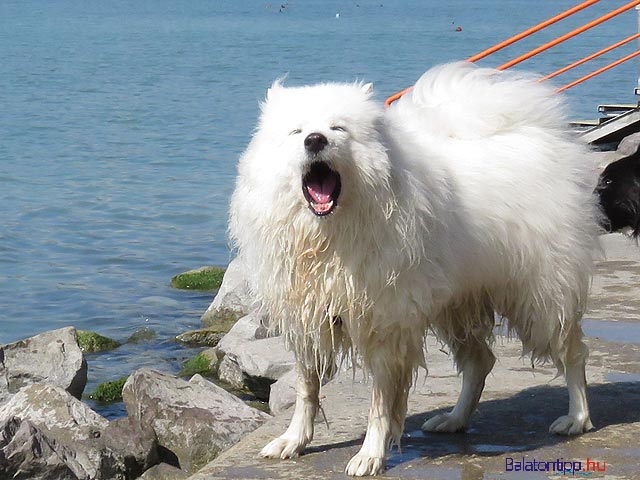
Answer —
121 123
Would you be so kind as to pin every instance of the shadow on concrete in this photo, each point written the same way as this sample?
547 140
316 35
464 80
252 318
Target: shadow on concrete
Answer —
520 423
516 424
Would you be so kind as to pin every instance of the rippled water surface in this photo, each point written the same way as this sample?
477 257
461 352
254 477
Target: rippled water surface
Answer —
121 122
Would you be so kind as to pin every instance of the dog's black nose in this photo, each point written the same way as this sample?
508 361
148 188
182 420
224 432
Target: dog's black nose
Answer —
315 142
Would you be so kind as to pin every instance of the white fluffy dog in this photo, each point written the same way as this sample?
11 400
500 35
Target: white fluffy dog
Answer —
363 228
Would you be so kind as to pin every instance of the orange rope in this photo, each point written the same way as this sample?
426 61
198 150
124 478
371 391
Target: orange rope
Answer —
532 30
569 35
599 71
590 57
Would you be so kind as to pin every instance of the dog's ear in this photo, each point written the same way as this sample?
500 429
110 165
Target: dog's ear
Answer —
271 91
367 88
277 85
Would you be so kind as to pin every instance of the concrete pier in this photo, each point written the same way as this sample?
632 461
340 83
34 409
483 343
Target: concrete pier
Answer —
509 428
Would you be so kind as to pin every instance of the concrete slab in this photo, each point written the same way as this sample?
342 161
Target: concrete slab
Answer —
510 427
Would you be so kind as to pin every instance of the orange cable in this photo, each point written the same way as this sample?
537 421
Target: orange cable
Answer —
569 35
544 47
532 30
599 71
396 96
590 57
509 41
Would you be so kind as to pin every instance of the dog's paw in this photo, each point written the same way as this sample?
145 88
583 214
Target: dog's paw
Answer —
362 465
444 423
282 447
570 425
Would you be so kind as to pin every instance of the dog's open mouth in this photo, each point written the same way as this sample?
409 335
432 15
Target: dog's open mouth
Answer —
321 188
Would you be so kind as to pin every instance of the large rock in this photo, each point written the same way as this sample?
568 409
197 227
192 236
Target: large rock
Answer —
62 432
255 365
193 420
134 444
51 407
164 471
26 451
250 327
52 357
629 145
283 392
234 298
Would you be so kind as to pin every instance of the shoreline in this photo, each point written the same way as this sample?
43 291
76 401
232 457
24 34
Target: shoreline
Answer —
612 323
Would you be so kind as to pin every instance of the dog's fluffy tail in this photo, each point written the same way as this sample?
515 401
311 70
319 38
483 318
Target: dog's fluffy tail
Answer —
462 101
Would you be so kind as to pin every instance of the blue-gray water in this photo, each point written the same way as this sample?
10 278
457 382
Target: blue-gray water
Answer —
121 122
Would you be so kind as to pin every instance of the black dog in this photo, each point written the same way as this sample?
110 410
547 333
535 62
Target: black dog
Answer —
619 192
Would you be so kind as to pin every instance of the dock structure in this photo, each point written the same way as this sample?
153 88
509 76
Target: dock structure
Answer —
615 123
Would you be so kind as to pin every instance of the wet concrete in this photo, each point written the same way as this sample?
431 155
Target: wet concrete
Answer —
510 427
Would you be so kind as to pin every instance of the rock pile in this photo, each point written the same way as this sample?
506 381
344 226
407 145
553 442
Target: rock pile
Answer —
247 357
174 426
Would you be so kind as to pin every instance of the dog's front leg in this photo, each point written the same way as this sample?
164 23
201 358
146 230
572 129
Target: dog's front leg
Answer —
300 432
392 376
370 460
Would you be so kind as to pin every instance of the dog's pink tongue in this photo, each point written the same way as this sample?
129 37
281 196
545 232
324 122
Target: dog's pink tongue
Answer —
321 192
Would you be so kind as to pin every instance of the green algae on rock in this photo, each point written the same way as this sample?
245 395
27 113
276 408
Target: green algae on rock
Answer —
109 392
209 336
91 342
143 334
204 278
213 317
205 363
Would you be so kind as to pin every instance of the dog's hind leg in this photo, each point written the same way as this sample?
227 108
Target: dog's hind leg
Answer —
475 359
573 363
300 432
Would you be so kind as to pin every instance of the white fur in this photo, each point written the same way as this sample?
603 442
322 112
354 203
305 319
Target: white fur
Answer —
467 196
